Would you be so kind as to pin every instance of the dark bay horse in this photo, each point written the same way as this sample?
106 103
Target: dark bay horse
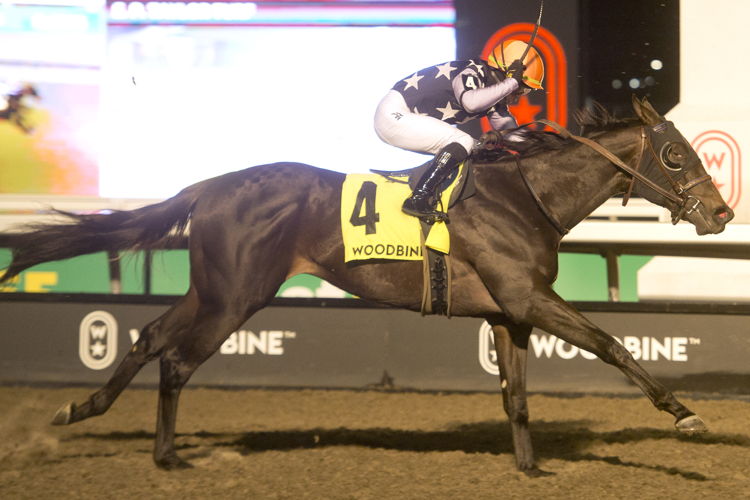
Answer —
251 230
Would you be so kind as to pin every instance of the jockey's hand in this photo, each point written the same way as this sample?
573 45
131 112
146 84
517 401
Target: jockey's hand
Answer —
515 71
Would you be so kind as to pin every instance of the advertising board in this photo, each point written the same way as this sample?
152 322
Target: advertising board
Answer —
352 346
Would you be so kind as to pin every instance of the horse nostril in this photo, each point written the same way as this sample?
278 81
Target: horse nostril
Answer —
724 214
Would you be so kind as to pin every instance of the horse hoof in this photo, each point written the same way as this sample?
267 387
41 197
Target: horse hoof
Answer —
172 462
537 472
691 425
64 415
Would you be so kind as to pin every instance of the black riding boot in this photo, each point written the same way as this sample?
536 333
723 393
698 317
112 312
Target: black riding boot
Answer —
424 197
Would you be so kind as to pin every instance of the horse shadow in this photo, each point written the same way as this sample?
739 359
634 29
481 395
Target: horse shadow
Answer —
563 440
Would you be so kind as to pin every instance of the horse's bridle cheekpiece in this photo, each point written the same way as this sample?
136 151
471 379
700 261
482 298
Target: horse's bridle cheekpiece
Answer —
670 153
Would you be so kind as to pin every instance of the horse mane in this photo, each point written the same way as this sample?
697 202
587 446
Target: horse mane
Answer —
537 141
596 118
591 120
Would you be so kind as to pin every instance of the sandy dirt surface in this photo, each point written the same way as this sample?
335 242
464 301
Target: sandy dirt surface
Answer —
369 445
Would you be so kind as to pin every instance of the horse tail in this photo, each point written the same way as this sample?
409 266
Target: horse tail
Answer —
152 226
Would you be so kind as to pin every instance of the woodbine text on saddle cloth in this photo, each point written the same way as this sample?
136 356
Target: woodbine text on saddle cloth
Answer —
374 227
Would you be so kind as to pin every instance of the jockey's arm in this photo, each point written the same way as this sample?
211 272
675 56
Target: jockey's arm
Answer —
474 98
501 119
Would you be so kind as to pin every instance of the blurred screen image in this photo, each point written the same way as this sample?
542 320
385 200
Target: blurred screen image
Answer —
139 103
50 64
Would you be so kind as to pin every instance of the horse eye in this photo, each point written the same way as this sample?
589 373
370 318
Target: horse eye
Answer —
673 155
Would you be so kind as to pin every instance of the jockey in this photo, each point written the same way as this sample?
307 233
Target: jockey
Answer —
419 112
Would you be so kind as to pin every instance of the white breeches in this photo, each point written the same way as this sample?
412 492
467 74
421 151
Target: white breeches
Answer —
398 126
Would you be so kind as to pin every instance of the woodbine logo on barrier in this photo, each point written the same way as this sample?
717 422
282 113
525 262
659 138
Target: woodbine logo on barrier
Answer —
670 349
269 342
98 337
97 340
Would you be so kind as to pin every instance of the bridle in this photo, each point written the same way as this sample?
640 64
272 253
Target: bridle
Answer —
685 203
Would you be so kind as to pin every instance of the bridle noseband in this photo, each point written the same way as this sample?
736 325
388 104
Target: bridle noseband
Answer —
664 134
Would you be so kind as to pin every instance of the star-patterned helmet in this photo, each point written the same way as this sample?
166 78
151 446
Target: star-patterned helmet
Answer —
508 51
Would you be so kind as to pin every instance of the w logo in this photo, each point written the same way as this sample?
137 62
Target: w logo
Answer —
97 340
721 156
713 161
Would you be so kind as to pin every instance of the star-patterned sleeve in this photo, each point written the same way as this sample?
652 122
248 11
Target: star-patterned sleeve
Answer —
474 96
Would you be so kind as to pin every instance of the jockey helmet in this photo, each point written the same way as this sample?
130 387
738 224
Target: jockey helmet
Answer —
508 51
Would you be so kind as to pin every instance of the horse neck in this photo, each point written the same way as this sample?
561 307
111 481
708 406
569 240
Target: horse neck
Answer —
573 182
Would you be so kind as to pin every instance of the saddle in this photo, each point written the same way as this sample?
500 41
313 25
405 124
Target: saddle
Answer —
465 189
436 296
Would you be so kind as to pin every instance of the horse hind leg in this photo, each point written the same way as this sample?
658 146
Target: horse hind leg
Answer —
213 324
235 270
151 341
220 311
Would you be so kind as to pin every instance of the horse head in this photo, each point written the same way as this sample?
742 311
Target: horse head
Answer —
671 162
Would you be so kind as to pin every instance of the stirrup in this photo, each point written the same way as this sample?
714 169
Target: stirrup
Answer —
429 217
426 213
433 217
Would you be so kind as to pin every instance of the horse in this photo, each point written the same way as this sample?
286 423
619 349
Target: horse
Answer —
13 108
248 231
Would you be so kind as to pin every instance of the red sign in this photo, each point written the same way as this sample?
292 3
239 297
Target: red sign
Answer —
721 157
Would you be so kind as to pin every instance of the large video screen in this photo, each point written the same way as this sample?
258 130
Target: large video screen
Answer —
156 96
50 68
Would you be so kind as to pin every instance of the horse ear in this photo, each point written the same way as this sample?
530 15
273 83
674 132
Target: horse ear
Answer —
646 111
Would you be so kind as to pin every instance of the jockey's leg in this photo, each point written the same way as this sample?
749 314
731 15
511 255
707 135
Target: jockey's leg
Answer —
398 126
423 201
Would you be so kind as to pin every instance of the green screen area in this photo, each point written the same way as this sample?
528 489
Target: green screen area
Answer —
86 274
583 277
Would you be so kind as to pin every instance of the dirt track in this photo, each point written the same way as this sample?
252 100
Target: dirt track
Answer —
368 445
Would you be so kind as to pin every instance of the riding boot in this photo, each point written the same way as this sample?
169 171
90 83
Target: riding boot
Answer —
423 200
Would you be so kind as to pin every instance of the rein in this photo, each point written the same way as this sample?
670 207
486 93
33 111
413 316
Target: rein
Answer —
551 218
679 194
629 192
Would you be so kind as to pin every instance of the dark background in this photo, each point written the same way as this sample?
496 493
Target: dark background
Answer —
603 42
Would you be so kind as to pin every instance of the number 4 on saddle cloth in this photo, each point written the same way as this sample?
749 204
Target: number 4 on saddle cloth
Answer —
373 225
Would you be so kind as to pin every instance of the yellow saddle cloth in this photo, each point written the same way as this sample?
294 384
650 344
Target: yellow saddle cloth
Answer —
374 227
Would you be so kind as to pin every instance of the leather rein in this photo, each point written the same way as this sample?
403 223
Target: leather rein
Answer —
686 204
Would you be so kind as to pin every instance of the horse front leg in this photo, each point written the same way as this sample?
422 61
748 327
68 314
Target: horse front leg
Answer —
511 344
549 312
